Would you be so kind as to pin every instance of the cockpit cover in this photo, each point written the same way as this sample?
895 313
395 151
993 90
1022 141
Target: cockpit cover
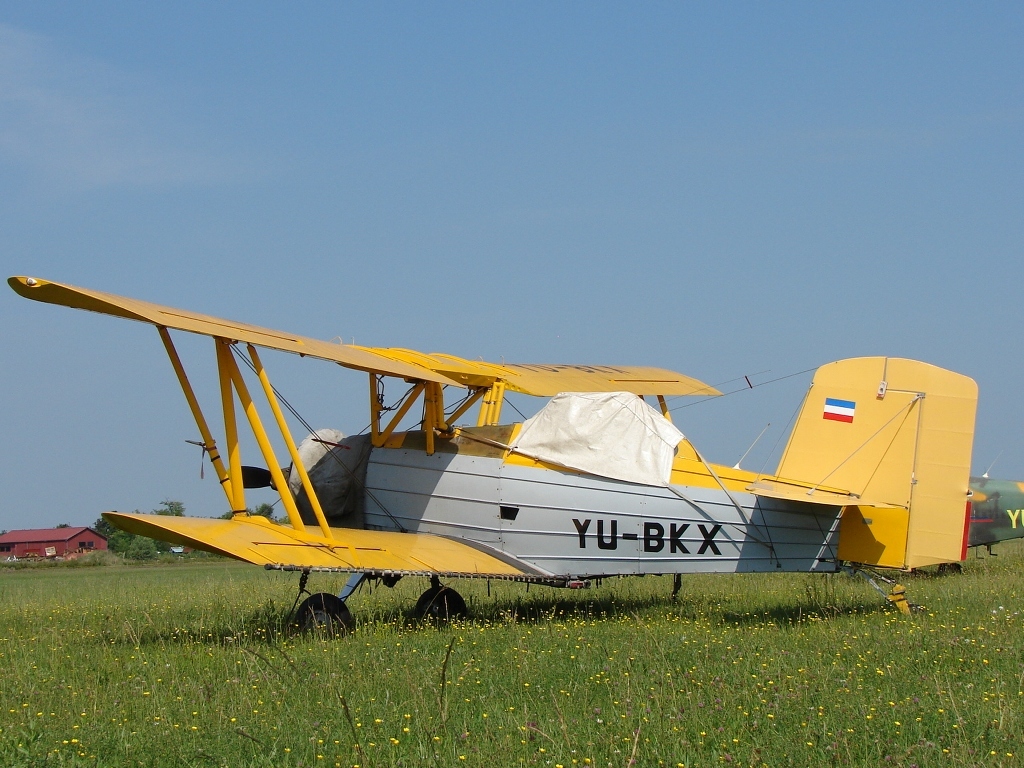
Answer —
609 434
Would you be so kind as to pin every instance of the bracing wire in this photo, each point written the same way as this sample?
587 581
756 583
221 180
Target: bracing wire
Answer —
306 425
513 407
741 389
783 433
904 411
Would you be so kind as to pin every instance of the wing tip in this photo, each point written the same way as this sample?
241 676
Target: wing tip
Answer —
23 284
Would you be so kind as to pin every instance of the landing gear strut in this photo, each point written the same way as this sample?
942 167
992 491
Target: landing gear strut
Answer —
897 595
440 603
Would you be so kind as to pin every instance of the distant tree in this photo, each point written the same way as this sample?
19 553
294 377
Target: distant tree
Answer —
103 528
120 541
263 510
63 525
170 508
141 549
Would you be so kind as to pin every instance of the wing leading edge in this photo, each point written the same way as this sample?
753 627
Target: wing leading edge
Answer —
541 380
193 322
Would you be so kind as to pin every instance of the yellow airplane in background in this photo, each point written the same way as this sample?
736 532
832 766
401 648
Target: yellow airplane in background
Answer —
598 483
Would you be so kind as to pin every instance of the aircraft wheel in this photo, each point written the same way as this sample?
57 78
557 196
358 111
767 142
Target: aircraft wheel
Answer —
441 604
325 612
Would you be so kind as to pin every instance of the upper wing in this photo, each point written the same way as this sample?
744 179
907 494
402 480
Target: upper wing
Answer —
119 306
538 380
547 380
261 542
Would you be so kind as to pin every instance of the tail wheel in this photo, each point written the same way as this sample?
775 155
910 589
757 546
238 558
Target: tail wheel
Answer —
441 603
325 612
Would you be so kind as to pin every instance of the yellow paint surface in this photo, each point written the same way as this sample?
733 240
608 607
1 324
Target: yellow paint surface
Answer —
910 447
180 319
261 542
874 535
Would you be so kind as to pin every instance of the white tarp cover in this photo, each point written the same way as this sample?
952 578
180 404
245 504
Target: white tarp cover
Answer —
609 434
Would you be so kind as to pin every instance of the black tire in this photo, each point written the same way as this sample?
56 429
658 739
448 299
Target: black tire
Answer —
325 612
441 604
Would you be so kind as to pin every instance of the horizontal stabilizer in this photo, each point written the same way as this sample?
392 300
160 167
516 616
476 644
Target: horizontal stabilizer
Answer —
262 542
805 494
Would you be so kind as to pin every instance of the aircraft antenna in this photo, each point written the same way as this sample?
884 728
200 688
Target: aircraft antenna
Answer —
760 434
985 475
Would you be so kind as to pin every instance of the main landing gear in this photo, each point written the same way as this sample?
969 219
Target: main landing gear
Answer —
328 613
440 603
325 612
322 611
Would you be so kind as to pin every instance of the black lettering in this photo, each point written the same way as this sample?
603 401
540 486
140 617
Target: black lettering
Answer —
629 537
613 542
581 529
676 538
708 536
654 537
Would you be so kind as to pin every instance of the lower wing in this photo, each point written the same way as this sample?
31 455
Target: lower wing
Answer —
262 542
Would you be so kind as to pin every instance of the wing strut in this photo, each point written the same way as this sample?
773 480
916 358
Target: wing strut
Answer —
227 401
664 408
471 400
230 476
378 437
290 443
209 444
490 408
249 407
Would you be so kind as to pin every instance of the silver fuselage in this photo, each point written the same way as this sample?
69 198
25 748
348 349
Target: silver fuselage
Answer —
574 525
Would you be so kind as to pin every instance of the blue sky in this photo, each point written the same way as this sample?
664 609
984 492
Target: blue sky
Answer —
721 189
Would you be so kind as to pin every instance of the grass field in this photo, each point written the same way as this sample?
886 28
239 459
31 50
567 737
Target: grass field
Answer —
187 666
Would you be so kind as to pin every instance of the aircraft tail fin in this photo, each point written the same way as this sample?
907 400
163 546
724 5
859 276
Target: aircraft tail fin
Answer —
897 435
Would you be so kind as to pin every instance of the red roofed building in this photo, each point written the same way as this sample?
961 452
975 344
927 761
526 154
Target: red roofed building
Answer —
49 542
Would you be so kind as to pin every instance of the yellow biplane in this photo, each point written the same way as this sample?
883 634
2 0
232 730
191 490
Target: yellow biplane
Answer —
598 483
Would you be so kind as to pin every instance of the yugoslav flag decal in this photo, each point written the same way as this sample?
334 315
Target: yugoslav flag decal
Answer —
839 410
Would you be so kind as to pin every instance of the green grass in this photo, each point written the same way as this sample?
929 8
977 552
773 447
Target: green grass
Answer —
191 665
